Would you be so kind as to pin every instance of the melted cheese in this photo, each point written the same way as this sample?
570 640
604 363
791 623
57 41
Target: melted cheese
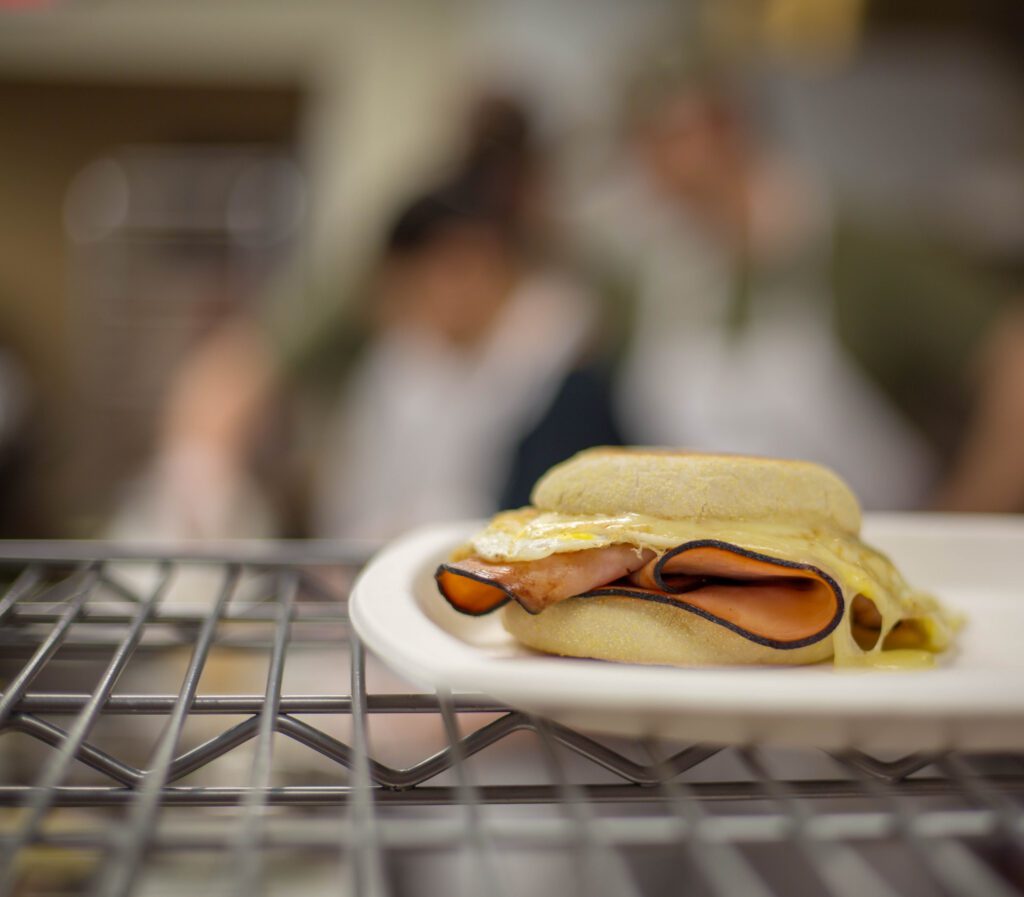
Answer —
528 534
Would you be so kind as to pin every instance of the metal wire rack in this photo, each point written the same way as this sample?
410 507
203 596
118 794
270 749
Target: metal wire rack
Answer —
207 720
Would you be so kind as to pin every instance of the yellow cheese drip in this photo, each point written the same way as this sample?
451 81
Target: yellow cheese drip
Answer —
894 659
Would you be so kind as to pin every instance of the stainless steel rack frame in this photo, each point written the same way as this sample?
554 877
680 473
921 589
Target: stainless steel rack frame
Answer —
506 803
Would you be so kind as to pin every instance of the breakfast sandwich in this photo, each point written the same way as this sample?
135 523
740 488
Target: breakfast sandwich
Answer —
674 557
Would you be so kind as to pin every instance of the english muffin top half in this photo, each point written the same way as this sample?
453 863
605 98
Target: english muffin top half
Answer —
680 485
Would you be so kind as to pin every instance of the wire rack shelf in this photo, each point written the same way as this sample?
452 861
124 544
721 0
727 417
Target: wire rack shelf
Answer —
204 717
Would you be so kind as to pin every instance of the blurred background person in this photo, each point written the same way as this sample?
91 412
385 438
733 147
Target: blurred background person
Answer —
726 261
471 346
766 317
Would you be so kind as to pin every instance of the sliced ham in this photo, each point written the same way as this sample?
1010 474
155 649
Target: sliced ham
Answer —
778 600
475 586
769 600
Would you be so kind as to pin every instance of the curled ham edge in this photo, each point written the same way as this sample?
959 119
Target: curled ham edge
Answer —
779 603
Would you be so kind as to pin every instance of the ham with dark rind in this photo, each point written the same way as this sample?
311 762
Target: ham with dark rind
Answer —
475 586
772 601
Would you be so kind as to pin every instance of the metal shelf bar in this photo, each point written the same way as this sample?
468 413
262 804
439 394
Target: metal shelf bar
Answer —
483 850
27 579
17 688
541 832
55 702
974 822
247 855
721 863
124 859
842 870
367 865
955 869
982 791
55 770
600 869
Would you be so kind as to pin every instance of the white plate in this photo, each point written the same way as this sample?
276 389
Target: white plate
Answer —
974 700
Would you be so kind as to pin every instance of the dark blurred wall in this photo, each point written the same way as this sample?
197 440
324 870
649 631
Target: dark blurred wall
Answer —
51 130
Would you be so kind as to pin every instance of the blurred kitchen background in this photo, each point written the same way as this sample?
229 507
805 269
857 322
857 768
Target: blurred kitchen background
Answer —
335 269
